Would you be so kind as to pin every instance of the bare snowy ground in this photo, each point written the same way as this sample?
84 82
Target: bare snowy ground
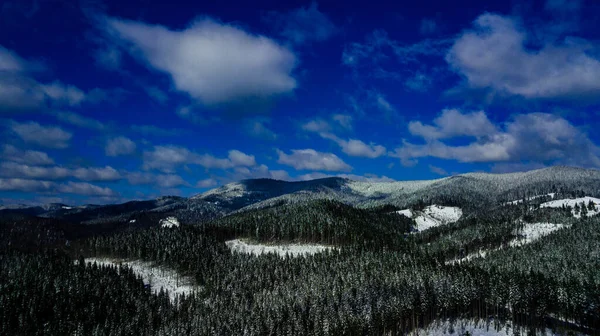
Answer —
169 222
294 250
534 231
156 277
474 328
527 235
571 202
432 216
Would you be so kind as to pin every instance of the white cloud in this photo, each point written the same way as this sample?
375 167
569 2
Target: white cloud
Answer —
206 183
303 25
344 120
119 146
241 159
18 170
79 188
438 170
167 158
45 136
493 55
161 180
309 159
67 94
20 91
28 157
355 147
535 138
79 120
97 174
383 103
213 62
32 172
317 125
83 188
23 185
453 123
258 128
352 147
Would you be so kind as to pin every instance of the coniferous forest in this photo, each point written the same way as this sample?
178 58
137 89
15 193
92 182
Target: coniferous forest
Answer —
379 278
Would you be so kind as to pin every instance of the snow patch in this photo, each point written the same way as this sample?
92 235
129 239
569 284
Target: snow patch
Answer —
527 235
534 231
433 215
572 202
169 222
157 277
475 328
132 221
294 250
67 207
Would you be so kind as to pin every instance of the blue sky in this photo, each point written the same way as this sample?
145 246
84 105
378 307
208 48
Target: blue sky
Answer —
103 102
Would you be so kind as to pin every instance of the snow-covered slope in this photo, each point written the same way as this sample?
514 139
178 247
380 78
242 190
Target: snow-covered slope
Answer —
157 277
595 209
475 328
432 216
293 250
534 231
169 222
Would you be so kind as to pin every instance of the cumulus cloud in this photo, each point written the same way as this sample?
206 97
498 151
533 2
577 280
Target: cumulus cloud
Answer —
45 136
215 63
119 146
19 90
438 170
535 137
28 157
161 180
238 158
83 188
97 174
24 185
258 129
207 183
79 120
453 123
32 172
494 55
355 147
352 147
78 188
310 159
167 158
343 120
302 25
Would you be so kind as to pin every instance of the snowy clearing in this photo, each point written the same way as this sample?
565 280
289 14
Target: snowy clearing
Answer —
155 276
534 231
474 328
527 235
571 202
294 250
169 222
432 216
